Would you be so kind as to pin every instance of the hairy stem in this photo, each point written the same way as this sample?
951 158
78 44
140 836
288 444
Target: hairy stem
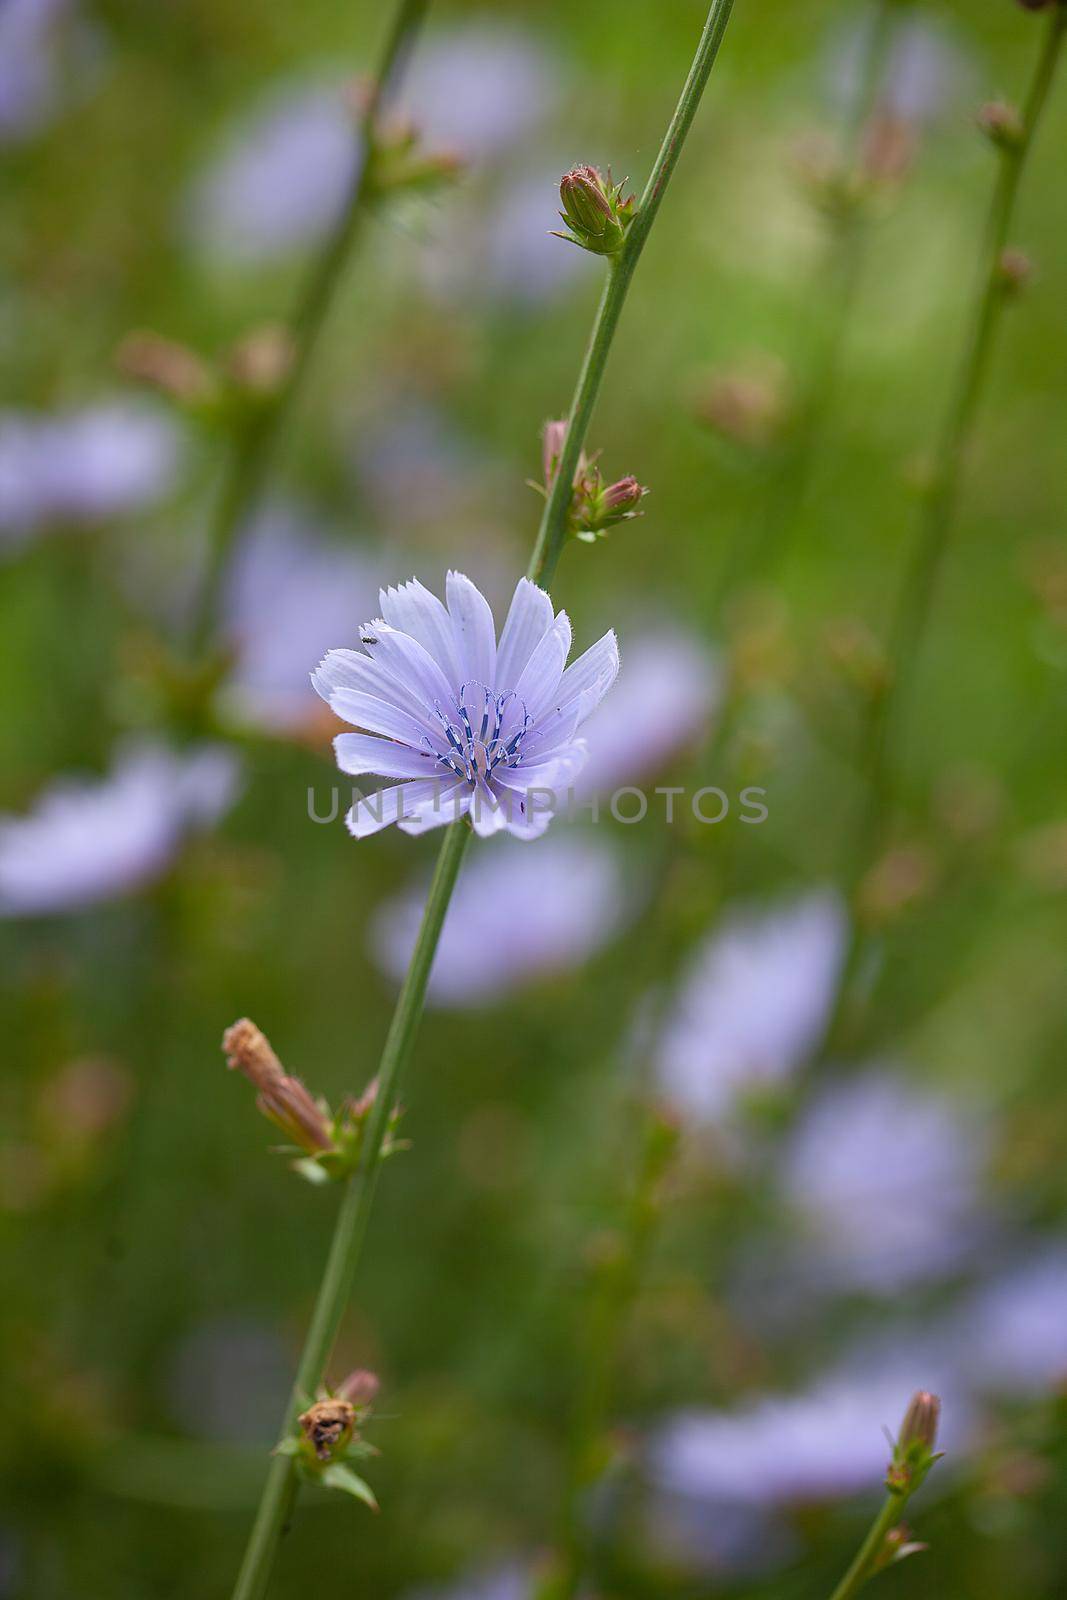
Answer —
280 1489
255 443
871 1553
553 529
912 614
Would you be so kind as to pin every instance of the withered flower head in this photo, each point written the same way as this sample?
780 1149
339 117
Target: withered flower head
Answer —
283 1099
327 1426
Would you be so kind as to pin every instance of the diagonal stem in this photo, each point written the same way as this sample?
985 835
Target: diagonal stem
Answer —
251 459
871 1553
279 1493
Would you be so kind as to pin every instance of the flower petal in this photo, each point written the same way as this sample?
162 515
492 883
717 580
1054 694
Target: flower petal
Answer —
412 609
557 773
366 711
539 681
596 670
343 670
528 620
358 753
450 803
408 662
401 803
475 631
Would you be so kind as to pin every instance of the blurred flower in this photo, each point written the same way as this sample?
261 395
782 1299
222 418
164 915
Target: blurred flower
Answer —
1013 1330
84 1100
754 1003
662 703
412 462
480 88
93 839
747 402
516 915
924 73
282 177
82 466
826 1441
45 46
470 728
885 1183
310 588
505 1583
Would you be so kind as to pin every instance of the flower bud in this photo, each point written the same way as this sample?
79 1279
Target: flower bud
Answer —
1002 124
328 1426
360 1389
1015 269
553 438
283 1099
594 209
921 1420
260 363
170 368
620 498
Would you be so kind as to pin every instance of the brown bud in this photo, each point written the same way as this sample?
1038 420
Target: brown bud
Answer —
360 1388
260 363
920 1420
283 1099
1015 268
1002 123
327 1425
622 496
162 364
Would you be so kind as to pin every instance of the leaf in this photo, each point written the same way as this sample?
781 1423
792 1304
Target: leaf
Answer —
337 1476
286 1447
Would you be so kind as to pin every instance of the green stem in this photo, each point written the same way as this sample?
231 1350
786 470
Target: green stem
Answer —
553 529
279 1492
255 443
872 1549
912 613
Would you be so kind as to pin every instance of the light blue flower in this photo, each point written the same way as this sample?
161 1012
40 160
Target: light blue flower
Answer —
470 726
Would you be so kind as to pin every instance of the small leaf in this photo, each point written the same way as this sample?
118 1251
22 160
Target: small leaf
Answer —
906 1550
337 1476
310 1169
286 1447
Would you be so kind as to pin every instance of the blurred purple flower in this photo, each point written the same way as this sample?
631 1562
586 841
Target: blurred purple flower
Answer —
826 1441
924 74
82 466
516 915
309 588
885 1182
228 1377
480 89
753 1005
282 177
43 45
663 703
1013 1331
94 839
503 1583
412 463
471 728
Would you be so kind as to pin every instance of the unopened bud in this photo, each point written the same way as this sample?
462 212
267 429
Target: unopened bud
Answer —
360 1389
1015 269
283 1099
594 209
327 1426
920 1420
621 497
553 438
1002 124
166 366
260 363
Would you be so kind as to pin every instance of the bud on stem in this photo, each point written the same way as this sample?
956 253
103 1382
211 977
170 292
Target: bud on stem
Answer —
283 1099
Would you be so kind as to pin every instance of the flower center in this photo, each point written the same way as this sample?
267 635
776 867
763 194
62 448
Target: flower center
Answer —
482 731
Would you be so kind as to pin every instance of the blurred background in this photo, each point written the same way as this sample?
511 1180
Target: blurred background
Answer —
661 1260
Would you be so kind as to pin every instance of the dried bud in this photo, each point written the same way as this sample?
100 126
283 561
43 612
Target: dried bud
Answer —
360 1389
1015 269
1002 124
327 1426
283 1099
260 363
889 148
594 209
171 368
921 1420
